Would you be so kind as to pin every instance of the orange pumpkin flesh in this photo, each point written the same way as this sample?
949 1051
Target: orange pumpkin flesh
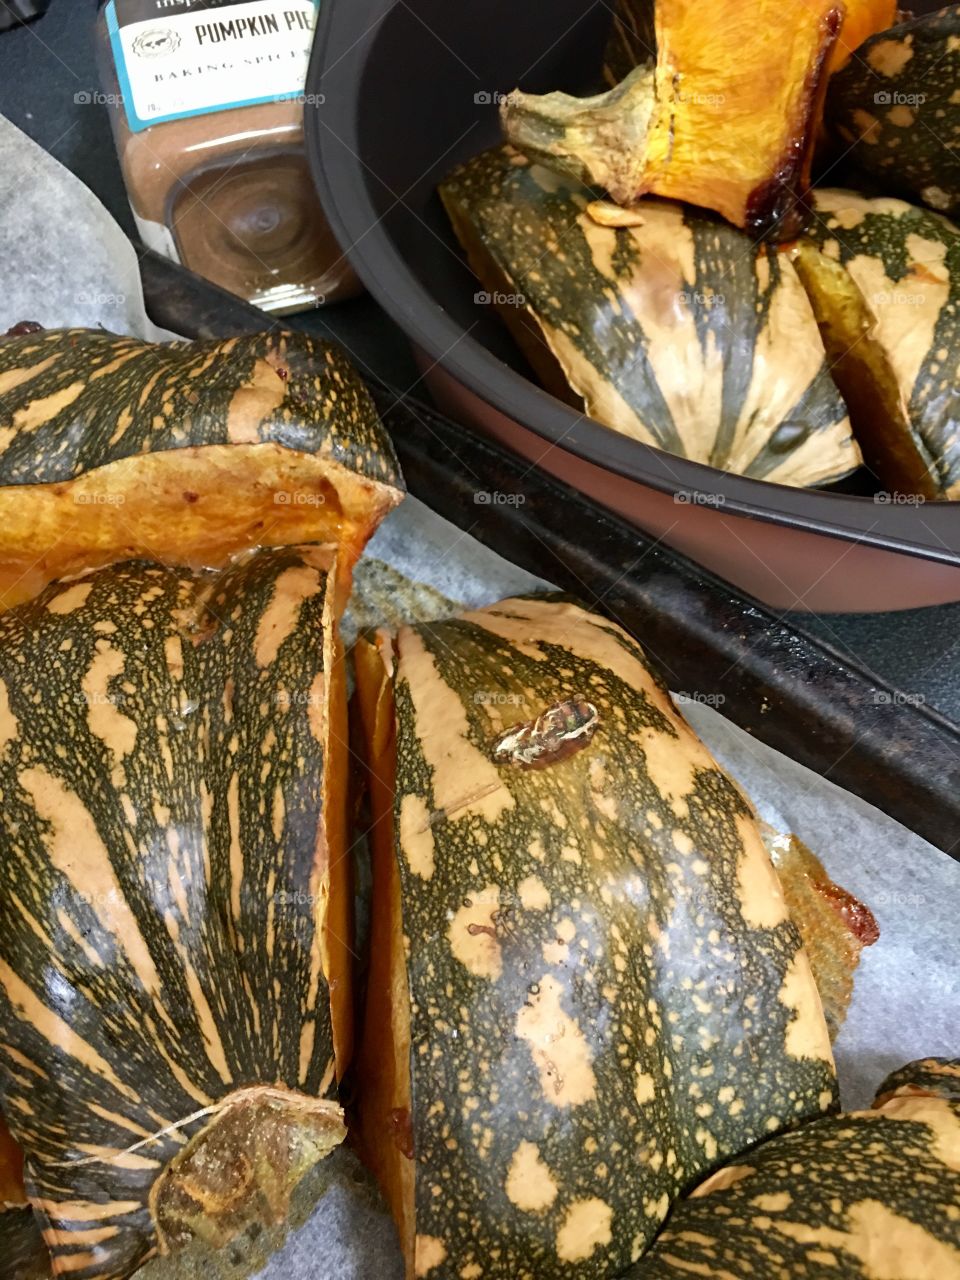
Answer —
383 1056
727 118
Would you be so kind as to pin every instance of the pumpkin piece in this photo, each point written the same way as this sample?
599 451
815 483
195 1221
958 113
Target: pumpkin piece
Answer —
184 453
175 904
726 118
896 109
928 1077
884 280
834 925
586 987
675 331
633 38
849 1197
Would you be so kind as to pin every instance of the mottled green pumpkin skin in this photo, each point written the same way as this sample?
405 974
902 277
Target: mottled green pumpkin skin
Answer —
895 108
162 769
678 331
607 996
849 1197
906 263
98 398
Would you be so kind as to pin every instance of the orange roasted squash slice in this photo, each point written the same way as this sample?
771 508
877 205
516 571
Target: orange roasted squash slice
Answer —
726 117
185 452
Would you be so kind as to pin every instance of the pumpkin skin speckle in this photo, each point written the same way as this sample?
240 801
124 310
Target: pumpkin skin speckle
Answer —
173 916
614 1026
850 1197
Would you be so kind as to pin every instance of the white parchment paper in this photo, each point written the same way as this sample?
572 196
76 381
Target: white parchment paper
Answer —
67 263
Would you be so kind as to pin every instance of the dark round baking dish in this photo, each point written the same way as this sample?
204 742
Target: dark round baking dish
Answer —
402 90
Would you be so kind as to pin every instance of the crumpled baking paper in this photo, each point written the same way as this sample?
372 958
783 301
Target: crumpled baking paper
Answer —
66 263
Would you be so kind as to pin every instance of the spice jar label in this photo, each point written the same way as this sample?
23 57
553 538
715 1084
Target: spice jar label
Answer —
178 58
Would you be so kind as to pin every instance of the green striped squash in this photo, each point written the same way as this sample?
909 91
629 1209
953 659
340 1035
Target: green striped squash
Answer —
174 915
896 111
585 990
885 280
850 1197
182 452
676 330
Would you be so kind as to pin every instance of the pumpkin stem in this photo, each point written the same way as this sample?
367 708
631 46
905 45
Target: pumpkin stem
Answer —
243 1166
600 141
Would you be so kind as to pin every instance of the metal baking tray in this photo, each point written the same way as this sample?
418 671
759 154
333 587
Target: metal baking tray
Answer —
784 686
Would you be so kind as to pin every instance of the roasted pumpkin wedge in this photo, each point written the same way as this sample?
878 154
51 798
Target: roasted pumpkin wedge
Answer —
896 106
849 1197
185 452
884 280
175 994
726 118
633 38
834 925
673 329
585 989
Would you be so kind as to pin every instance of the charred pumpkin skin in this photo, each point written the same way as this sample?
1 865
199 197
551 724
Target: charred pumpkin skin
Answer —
606 994
904 263
676 331
895 106
111 447
171 839
726 118
850 1197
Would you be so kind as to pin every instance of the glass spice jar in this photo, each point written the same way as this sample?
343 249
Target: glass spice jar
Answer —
207 102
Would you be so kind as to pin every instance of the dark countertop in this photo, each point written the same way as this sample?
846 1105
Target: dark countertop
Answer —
48 83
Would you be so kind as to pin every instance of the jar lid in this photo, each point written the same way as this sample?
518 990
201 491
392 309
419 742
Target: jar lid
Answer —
14 12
